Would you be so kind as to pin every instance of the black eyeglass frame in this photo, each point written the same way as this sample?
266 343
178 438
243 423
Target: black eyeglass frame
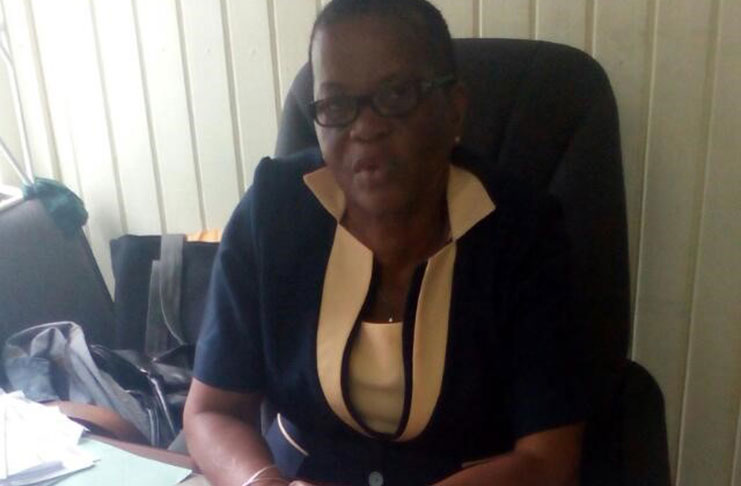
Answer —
423 88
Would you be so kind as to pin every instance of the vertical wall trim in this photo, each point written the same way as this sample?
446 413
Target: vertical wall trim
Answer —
191 118
711 71
226 28
26 164
148 109
590 40
41 86
477 28
534 18
653 21
108 123
53 132
481 18
646 99
735 472
49 127
73 145
273 28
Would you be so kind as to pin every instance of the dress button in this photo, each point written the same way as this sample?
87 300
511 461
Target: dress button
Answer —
375 479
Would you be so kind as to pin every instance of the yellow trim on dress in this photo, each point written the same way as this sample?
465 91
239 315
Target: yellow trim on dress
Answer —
346 284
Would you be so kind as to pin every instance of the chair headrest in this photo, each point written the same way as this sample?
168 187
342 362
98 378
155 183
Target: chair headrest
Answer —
545 112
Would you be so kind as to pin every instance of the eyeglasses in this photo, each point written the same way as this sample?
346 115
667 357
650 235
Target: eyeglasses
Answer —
391 100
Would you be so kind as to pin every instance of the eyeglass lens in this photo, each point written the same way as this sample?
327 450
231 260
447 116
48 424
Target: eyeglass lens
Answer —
394 100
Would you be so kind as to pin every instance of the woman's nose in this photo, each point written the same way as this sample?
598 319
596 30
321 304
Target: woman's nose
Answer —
369 125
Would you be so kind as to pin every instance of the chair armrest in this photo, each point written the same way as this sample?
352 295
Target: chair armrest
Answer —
625 442
646 454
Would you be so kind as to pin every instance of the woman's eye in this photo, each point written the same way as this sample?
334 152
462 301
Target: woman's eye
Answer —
337 104
395 94
400 91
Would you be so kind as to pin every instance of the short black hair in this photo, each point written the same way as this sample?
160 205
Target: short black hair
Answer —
423 19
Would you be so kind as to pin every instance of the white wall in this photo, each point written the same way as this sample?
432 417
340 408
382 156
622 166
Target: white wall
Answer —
156 111
8 120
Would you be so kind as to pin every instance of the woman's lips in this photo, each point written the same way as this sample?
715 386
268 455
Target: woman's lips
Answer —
367 164
371 171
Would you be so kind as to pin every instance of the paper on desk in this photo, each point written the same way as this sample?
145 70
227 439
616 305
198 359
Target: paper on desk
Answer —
72 461
37 442
116 467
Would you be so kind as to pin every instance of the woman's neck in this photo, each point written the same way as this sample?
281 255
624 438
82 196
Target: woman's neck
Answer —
402 238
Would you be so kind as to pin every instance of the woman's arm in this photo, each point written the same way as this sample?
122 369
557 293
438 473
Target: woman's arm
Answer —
550 457
222 430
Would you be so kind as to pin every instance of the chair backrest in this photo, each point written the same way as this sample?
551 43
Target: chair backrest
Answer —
547 112
46 276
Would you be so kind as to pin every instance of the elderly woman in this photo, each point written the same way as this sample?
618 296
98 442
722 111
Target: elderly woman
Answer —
400 303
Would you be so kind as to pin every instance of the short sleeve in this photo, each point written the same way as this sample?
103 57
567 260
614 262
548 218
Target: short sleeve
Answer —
548 377
229 351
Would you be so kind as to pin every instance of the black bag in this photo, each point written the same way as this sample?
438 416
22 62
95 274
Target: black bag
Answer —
161 289
161 388
132 258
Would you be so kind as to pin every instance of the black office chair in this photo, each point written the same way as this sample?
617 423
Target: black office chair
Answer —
547 111
46 276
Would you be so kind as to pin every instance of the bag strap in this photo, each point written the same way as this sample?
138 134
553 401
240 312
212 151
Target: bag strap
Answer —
171 279
165 284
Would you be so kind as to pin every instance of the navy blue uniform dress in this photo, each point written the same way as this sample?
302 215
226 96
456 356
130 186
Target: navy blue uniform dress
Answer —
488 346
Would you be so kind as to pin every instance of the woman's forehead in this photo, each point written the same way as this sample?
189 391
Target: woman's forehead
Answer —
365 50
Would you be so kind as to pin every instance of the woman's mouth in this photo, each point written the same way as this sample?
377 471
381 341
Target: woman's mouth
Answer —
372 172
367 164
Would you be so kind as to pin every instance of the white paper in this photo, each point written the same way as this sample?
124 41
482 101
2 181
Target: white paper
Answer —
37 443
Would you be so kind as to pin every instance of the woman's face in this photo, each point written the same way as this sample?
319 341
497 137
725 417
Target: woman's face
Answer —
384 165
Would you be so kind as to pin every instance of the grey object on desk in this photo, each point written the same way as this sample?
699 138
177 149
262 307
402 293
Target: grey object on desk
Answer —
52 362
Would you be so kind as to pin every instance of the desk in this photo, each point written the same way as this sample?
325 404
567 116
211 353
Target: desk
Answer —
161 455
129 463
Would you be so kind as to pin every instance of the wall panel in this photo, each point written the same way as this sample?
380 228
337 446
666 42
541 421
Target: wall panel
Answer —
293 21
34 103
673 185
713 385
256 92
8 127
169 113
210 99
507 18
564 22
53 62
461 15
116 34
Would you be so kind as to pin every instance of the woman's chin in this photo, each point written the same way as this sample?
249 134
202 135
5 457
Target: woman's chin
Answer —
382 202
